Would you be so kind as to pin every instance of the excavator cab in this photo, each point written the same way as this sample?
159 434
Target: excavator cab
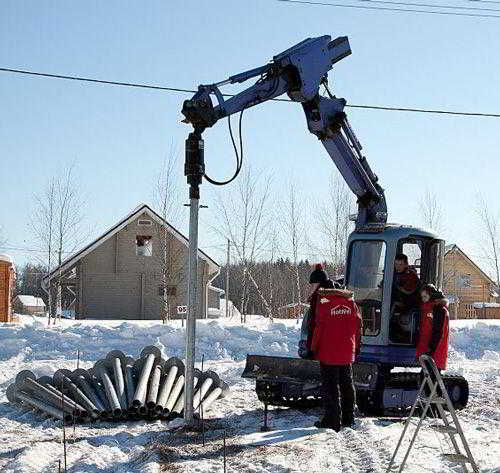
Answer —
390 329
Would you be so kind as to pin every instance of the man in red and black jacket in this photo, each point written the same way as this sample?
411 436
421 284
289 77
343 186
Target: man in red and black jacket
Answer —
336 344
406 283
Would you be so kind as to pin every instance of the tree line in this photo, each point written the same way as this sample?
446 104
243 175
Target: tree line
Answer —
276 233
276 285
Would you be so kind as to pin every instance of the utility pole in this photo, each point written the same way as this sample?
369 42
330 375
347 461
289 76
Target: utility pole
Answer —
227 276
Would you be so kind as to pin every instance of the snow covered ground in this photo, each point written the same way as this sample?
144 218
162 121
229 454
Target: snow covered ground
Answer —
29 444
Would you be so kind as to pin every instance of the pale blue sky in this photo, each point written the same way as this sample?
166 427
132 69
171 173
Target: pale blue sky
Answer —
119 136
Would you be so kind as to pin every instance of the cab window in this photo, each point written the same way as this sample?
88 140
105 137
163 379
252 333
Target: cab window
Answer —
366 279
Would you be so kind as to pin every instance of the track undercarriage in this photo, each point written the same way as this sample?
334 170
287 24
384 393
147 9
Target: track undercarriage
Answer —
296 383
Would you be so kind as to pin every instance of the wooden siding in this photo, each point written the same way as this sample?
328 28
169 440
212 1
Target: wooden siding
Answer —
458 269
117 283
6 288
213 299
488 312
292 311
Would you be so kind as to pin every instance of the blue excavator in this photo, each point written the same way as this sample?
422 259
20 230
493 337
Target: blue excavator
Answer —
383 384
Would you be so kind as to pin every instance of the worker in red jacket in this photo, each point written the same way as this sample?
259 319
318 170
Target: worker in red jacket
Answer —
434 326
336 344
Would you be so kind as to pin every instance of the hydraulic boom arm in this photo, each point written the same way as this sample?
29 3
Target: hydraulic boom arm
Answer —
299 72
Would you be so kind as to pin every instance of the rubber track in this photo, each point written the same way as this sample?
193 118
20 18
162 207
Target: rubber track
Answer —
397 380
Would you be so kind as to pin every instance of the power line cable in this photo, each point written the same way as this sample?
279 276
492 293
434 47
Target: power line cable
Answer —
392 9
431 5
484 1
422 110
189 91
97 81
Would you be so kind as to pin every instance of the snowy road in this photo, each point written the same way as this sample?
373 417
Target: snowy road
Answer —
29 444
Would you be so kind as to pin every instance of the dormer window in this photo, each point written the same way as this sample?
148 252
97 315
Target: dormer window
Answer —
143 245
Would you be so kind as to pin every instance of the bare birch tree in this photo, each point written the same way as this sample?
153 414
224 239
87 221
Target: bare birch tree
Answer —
431 212
43 223
57 224
167 202
490 235
69 232
43 220
334 224
291 217
243 218
271 283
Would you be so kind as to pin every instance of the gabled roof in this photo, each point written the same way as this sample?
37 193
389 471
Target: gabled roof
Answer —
453 247
140 210
216 289
30 301
6 258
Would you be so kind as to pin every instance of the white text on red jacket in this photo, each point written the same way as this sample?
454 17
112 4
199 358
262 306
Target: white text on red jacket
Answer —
340 310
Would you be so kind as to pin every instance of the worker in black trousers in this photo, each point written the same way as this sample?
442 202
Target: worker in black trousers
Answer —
336 344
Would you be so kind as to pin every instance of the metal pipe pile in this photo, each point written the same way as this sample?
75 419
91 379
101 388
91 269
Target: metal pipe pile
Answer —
118 387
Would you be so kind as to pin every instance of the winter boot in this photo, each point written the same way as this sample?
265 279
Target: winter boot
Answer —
348 422
327 424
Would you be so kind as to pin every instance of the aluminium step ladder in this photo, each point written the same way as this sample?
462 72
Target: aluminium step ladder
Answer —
433 392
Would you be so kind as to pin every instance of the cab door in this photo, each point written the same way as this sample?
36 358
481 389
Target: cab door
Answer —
365 278
425 257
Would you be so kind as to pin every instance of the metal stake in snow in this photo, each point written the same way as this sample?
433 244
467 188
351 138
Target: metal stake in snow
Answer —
194 169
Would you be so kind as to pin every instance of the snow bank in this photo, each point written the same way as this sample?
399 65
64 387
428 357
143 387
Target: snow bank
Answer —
232 309
476 340
220 339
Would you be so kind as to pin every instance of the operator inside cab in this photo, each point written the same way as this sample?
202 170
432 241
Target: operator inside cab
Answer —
405 299
405 285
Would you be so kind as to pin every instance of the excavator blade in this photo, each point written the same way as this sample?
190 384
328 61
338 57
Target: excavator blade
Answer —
295 382
282 381
278 368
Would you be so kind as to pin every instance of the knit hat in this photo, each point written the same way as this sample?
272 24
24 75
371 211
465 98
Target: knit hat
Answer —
318 275
434 293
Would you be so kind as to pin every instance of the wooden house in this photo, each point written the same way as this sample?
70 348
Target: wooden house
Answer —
24 304
466 285
135 270
7 278
292 311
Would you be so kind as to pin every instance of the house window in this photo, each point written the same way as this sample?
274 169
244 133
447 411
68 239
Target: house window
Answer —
143 245
464 281
171 290
145 223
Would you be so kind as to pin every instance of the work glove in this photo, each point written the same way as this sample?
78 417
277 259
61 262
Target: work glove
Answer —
304 352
